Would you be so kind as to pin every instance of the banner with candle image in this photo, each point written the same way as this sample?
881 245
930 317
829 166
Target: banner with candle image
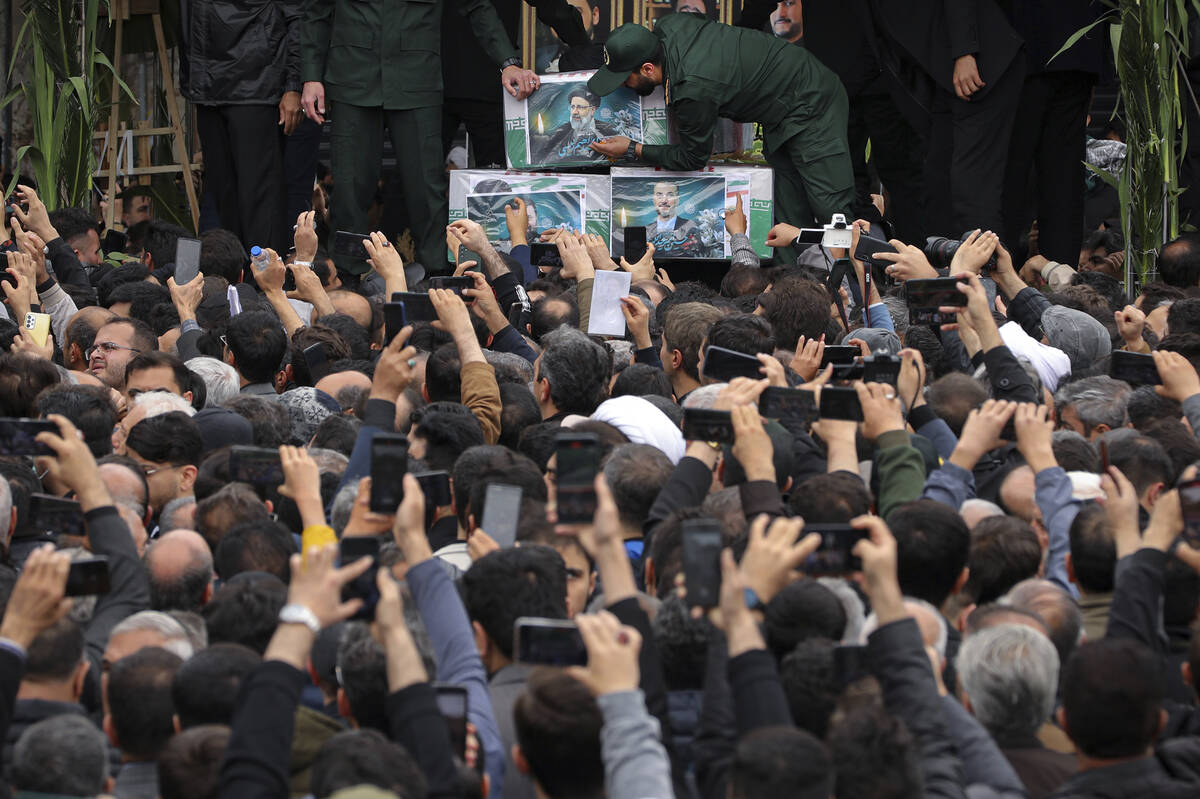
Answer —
683 212
555 126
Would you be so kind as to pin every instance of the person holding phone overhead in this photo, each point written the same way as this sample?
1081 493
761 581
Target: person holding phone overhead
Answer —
709 70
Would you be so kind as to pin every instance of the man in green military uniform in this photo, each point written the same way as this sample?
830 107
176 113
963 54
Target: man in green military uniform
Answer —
381 63
709 70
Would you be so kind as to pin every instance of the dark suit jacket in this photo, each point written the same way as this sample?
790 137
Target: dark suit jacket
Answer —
1045 25
1042 770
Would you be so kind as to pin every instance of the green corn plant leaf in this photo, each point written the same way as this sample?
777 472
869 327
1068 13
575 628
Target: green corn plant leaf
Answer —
1079 34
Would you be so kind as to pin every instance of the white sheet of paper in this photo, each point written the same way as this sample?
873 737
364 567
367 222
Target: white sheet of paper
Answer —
606 318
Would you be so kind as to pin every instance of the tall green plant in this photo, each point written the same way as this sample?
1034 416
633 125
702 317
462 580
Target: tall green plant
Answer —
59 42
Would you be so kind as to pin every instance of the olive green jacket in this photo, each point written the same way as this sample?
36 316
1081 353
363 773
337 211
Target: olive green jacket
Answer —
715 70
388 53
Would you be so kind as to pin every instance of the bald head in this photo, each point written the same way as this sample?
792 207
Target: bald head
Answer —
353 305
1055 607
975 510
126 486
332 384
180 567
81 334
1017 494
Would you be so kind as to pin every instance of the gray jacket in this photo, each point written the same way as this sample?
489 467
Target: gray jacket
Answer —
635 762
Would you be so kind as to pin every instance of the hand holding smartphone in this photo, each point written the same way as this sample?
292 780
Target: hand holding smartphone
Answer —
578 456
548 642
389 464
702 562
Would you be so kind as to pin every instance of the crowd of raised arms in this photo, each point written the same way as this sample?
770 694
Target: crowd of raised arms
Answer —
777 540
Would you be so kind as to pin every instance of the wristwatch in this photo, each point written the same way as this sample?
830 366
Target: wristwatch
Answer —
302 263
631 150
299 614
515 61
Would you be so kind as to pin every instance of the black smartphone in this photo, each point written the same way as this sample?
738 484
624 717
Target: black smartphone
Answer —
318 362
187 260
350 245
364 587
723 365
501 512
702 562
1135 368
839 353
544 254
850 663
840 402
455 284
436 488
834 555
1104 462
635 243
255 465
867 247
389 464
56 515
394 319
578 456
810 235
882 368
703 424
788 403
88 577
452 704
1189 504
548 642
18 436
849 371
925 296
417 306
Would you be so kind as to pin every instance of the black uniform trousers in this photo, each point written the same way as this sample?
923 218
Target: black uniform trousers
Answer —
485 126
243 171
356 146
1049 139
968 151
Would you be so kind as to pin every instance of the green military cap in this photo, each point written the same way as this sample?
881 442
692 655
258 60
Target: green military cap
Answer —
627 48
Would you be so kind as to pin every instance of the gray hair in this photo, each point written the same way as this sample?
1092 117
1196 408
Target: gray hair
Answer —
220 379
342 507
1010 674
64 754
943 636
329 460
1058 610
6 506
178 641
898 310
192 624
577 368
1096 400
852 604
157 403
703 397
166 519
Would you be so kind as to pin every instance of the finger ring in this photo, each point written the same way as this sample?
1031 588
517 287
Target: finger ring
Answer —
622 637
412 362
889 396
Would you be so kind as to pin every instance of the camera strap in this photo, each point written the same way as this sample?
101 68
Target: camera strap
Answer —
837 274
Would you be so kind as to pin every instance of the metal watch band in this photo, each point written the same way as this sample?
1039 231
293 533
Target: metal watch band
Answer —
299 614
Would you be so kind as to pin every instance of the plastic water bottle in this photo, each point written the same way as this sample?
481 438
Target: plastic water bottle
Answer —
259 258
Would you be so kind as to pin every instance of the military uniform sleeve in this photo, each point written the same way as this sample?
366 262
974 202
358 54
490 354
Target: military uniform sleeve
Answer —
293 14
316 27
696 120
488 29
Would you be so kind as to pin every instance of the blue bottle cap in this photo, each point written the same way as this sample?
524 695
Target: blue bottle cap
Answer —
255 251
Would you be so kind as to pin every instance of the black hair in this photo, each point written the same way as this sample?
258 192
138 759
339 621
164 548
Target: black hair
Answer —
780 761
803 610
221 255
366 757
953 396
206 687
1004 551
577 369
82 333
1112 693
268 418
356 337
128 273
143 298
72 223
172 438
1179 261
183 589
337 432
811 683
155 359
641 379
557 725
23 376
932 543
874 755
363 667
1074 453
255 546
55 653
682 645
143 337
512 469
744 333
636 474
449 430
538 441
334 346
1143 461
796 307
89 408
502 586
518 410
1093 549
666 549
189 765
160 240
229 504
834 498
1180 445
549 314
741 281
443 375
245 610
258 345
1146 406
140 703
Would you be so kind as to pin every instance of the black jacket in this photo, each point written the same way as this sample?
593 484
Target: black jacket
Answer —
1173 772
239 52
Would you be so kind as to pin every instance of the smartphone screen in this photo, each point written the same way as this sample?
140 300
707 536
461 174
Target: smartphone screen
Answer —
1135 368
56 515
834 555
578 456
364 587
255 465
925 296
839 353
417 306
840 402
723 365
548 642
436 488
318 363
788 403
88 577
17 436
350 245
635 243
455 284
703 424
389 463
544 254
394 320
187 260
1189 504
452 704
501 512
702 562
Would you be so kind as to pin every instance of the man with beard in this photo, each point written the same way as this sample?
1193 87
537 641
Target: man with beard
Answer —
709 70
572 140
787 21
